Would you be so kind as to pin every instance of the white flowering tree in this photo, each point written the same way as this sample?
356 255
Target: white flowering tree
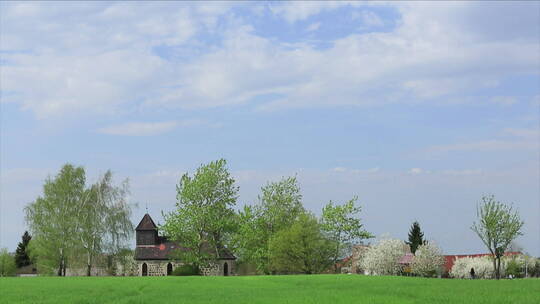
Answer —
483 268
383 258
428 260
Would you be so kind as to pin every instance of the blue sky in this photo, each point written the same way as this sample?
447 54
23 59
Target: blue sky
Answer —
418 108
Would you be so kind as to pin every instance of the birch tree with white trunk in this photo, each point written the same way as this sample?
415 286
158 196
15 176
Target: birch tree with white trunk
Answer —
104 221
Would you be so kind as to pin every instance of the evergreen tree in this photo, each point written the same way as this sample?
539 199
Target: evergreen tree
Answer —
21 256
416 237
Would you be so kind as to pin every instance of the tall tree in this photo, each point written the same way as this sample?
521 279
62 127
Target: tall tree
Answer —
104 223
497 226
204 217
280 203
416 237
342 225
21 255
52 218
301 248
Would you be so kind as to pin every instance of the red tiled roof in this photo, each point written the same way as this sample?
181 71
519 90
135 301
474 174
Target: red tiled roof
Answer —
450 259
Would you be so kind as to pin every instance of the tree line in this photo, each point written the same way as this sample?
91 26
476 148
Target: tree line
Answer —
276 234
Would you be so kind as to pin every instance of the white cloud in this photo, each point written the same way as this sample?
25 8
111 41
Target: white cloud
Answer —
504 100
103 58
313 27
140 128
293 11
369 19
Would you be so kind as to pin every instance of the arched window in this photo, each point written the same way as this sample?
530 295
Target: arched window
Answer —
225 269
169 269
144 270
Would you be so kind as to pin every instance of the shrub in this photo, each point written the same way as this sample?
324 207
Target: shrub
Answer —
7 263
428 260
186 270
483 268
514 269
383 258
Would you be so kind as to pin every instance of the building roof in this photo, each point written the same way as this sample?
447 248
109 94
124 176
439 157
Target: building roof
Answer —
146 223
450 259
406 259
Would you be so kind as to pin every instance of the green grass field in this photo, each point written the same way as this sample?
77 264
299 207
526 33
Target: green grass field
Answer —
331 289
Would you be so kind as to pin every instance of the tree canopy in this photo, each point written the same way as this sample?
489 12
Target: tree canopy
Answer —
497 226
300 248
280 203
204 217
70 218
342 226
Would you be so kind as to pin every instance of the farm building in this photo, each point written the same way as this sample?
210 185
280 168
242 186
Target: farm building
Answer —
155 254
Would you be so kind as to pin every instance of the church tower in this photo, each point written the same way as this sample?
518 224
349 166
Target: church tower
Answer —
146 232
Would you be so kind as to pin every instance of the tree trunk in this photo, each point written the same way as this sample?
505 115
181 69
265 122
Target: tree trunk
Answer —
89 265
498 272
495 265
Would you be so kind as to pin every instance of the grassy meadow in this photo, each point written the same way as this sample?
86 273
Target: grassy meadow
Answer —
266 289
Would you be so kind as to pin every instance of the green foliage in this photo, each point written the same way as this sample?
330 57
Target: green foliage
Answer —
514 269
294 289
342 226
53 217
416 237
104 222
71 220
498 225
21 255
7 263
279 205
186 270
301 248
204 217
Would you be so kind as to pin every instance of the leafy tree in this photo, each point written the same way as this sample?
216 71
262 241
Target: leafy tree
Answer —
53 218
279 205
104 223
428 260
301 248
416 237
498 225
204 218
342 226
7 263
21 256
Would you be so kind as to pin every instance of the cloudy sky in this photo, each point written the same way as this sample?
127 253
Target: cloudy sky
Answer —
419 108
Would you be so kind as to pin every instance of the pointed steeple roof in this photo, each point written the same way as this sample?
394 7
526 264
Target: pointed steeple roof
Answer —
146 223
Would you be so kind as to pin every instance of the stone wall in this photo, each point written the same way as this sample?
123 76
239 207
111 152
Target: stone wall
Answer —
159 268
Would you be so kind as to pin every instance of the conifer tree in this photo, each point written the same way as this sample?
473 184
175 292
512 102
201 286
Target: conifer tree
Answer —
21 256
416 237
